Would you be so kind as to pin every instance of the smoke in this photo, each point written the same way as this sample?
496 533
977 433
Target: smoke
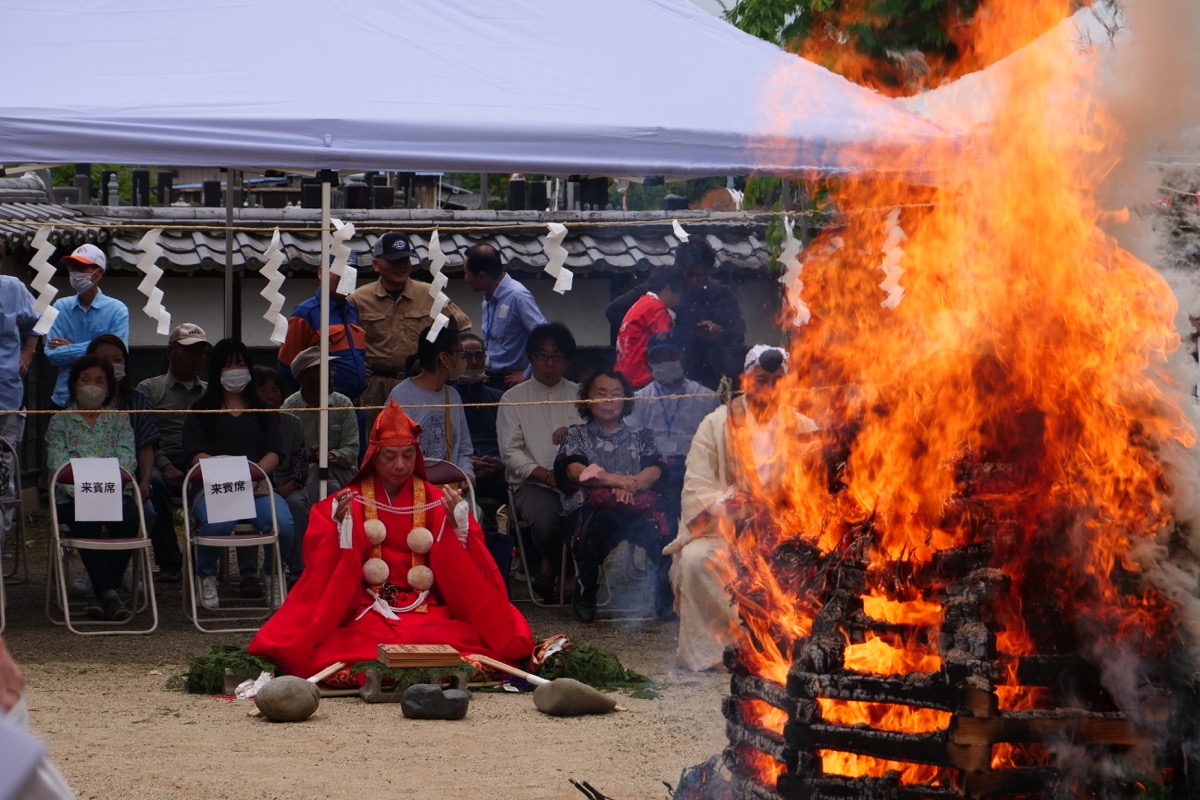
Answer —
1146 82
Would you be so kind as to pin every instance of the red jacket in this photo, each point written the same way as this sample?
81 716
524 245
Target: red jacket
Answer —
647 317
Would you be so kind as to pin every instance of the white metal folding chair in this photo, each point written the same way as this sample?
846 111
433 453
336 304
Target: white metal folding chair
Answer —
18 541
245 534
58 605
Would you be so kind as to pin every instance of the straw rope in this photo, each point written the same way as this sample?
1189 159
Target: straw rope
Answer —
497 404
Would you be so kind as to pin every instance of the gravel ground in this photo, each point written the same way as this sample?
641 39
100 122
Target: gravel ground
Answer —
116 730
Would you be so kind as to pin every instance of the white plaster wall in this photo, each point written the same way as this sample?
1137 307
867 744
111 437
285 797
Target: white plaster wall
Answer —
199 299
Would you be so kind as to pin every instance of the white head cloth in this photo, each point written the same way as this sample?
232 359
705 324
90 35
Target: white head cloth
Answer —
756 353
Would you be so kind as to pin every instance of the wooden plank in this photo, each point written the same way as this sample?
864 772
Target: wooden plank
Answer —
1036 726
915 748
923 690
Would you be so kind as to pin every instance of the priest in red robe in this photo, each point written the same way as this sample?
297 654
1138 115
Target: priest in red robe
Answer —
392 559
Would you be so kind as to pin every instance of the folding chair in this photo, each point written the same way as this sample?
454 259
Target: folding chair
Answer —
58 605
441 472
20 557
245 534
520 531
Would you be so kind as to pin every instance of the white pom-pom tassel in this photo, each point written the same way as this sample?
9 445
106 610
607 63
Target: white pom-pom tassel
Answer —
375 571
420 578
375 531
420 541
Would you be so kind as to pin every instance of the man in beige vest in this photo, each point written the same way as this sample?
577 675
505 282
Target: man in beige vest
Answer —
392 312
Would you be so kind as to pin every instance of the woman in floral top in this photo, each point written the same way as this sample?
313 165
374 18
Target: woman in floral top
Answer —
86 433
607 473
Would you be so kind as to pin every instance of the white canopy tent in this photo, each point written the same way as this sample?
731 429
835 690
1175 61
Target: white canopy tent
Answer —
619 87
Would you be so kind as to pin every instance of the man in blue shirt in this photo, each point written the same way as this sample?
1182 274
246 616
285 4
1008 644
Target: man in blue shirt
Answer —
347 344
84 316
509 314
18 343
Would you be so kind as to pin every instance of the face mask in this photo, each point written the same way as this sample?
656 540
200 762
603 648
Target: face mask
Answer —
90 397
119 371
80 282
668 372
457 370
234 380
470 376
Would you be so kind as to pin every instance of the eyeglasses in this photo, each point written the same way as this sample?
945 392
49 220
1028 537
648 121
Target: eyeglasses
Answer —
549 358
478 355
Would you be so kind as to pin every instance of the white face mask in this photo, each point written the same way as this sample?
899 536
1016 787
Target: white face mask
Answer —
667 372
119 370
472 375
90 397
81 282
234 380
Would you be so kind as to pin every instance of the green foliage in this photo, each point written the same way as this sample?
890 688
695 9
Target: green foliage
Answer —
206 672
593 665
650 198
404 677
885 32
64 174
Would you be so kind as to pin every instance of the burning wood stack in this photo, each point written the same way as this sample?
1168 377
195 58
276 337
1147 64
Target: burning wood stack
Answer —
985 583
976 748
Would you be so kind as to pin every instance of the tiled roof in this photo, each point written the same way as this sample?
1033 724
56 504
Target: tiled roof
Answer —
596 240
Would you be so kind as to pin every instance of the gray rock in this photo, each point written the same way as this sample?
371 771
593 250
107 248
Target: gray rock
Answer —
566 697
287 699
426 701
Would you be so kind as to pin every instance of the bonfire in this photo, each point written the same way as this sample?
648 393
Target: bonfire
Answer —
966 590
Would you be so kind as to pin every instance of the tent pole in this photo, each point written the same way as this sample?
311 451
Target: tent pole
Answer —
323 414
232 328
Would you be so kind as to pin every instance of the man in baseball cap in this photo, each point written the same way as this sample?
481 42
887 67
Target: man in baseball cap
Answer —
171 394
83 315
393 311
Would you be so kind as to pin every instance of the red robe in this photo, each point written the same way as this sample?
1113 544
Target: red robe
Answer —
468 607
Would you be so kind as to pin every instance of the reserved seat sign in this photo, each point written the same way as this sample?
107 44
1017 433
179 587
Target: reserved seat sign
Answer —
228 490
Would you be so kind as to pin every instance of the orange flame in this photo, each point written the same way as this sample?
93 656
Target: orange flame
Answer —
1023 372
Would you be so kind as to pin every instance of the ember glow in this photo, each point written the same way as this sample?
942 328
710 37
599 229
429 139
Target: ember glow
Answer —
1024 368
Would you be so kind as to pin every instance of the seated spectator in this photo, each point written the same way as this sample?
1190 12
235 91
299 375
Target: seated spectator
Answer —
86 433
172 393
343 436
290 478
673 422
530 427
491 490
607 472
234 433
481 408
444 425
347 342
401 586
652 314
145 429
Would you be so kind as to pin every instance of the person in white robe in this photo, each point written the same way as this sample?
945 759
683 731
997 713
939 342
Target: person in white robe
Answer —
716 494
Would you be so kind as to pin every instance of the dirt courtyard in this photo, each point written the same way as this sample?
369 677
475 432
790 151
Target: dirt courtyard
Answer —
116 731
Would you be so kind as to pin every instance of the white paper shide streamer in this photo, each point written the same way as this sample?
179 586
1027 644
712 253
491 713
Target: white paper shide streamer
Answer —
271 292
347 277
41 281
892 253
679 232
148 265
556 256
793 286
437 260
